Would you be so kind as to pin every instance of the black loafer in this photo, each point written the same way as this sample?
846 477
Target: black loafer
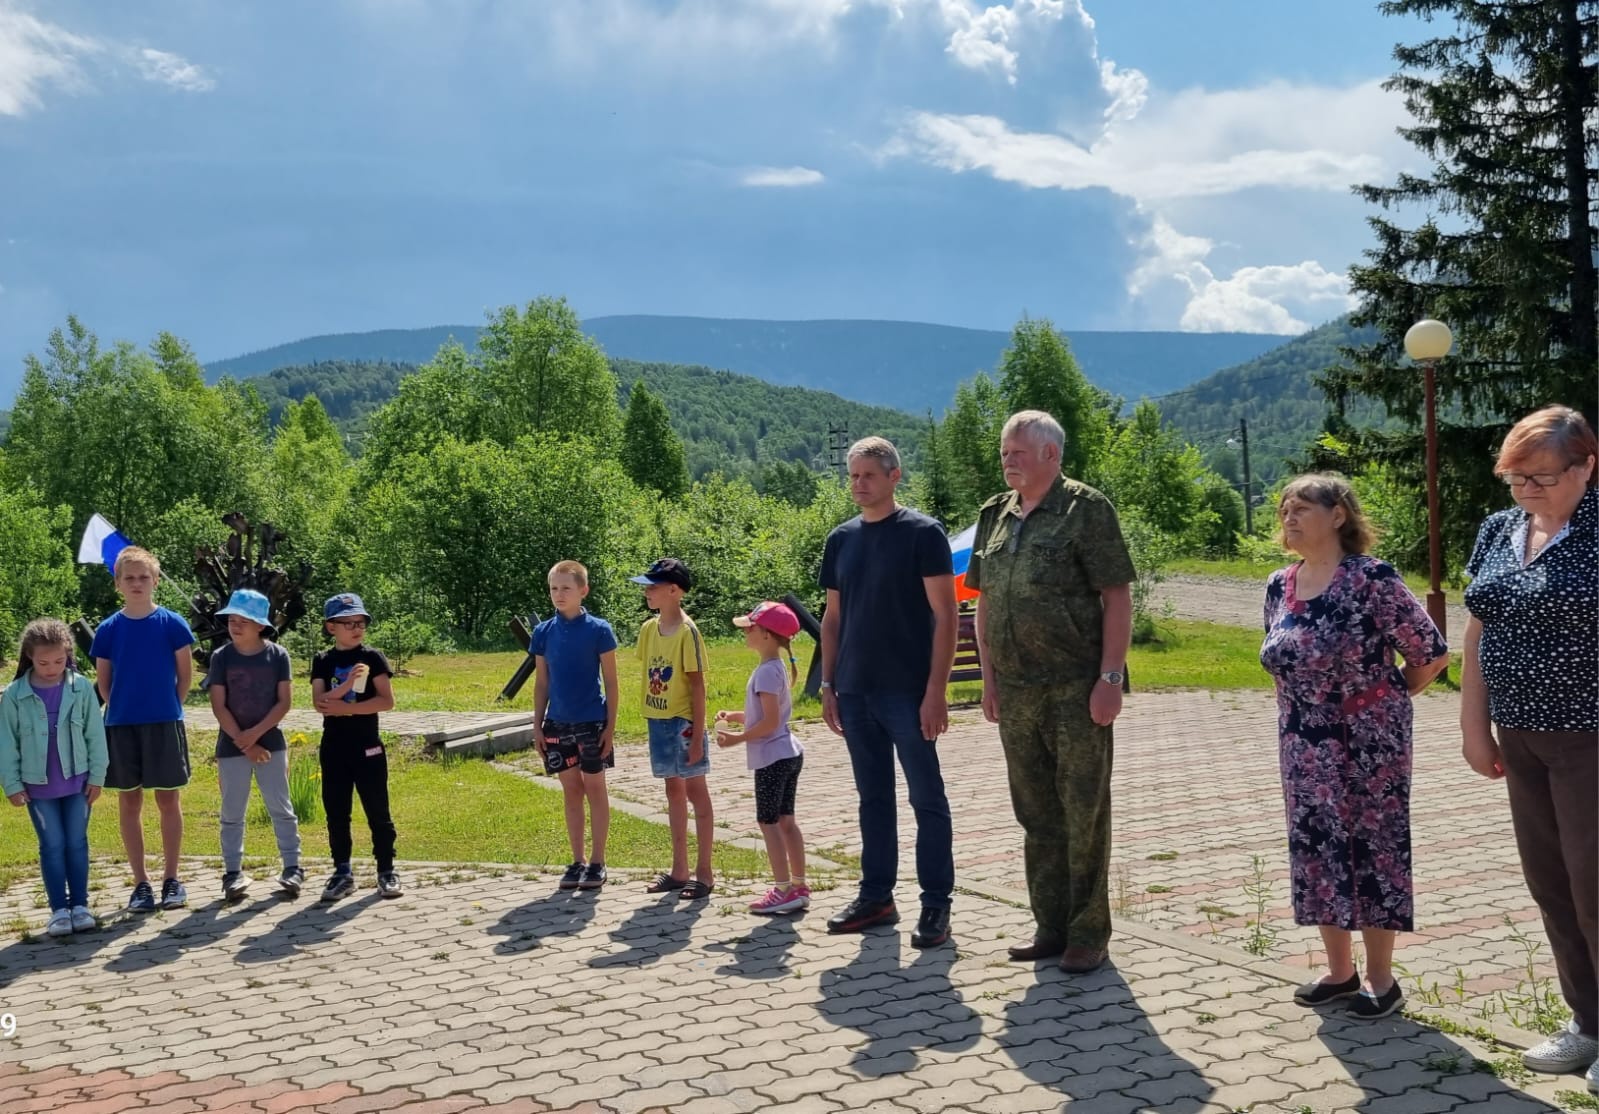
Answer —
1369 1007
933 927
859 915
1320 993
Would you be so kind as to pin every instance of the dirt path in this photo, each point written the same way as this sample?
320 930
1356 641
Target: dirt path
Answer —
1218 599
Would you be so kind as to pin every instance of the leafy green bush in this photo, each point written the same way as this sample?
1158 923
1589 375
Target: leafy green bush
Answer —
1151 551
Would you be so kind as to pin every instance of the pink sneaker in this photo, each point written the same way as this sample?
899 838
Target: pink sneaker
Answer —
801 894
778 900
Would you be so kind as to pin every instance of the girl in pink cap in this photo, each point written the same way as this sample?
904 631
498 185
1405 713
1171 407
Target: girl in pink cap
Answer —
772 752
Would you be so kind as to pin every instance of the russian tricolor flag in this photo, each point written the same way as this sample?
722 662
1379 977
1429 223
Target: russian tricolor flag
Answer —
101 543
960 548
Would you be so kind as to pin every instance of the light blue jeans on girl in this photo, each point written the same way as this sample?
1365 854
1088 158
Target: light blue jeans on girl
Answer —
62 824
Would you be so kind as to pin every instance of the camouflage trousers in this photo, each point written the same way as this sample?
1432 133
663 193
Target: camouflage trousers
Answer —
1059 764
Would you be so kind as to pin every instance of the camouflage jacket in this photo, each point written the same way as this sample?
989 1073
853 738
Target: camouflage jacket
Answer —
1041 576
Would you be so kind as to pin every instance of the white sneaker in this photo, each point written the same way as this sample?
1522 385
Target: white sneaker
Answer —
83 920
1563 1052
1593 1078
60 923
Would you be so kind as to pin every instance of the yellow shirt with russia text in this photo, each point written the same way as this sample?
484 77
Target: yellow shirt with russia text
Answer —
666 659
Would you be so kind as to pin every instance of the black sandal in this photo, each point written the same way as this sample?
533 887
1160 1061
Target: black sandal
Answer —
1320 993
664 884
695 890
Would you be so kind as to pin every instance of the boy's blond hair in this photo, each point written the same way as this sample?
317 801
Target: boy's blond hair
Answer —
573 569
136 555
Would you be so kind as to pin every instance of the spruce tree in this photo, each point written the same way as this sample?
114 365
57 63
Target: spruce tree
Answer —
652 453
1503 100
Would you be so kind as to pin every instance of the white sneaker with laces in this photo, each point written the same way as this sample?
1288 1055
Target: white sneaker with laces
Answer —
83 920
60 923
1563 1052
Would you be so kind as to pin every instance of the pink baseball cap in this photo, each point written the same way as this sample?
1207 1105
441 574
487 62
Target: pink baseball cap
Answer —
775 617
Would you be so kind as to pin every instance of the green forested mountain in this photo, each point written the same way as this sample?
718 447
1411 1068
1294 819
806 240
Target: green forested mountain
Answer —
728 422
1273 392
894 363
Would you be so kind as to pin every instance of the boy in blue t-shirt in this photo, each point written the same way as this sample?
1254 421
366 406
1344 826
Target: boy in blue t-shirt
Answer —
574 723
142 669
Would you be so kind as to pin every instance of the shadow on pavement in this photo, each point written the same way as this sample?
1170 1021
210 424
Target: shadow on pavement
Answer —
200 926
1086 1037
1396 1055
898 1009
305 928
561 913
653 932
764 952
39 952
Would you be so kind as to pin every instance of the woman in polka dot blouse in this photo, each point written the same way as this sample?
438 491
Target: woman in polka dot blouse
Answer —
1531 678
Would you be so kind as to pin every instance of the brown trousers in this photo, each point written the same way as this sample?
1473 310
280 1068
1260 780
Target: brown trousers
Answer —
1553 778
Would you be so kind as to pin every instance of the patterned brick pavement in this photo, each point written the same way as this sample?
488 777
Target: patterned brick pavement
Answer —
489 991
1197 802
494 992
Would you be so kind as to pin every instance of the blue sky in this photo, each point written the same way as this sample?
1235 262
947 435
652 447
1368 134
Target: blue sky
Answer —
246 174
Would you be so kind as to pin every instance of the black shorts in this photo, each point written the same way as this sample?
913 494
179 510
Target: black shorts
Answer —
577 745
775 786
147 756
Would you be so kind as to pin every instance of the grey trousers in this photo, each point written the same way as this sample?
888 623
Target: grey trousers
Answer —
272 777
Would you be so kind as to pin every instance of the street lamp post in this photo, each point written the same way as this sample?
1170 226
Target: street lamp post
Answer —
1426 343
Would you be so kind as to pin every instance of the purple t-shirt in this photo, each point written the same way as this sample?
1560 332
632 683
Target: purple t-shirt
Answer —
56 783
769 676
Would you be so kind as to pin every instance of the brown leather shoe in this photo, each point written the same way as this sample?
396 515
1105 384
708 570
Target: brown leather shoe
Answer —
1080 961
1040 948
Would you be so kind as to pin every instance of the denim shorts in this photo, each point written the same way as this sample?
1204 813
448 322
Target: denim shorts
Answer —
669 749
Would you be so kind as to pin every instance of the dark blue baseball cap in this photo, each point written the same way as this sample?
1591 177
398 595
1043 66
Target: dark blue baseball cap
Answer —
668 570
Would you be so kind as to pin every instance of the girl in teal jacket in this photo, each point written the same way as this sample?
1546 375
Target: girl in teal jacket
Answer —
53 762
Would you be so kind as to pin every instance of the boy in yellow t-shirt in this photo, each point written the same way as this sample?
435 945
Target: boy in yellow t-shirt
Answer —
673 656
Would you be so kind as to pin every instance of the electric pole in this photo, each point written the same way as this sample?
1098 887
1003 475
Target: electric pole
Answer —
1249 485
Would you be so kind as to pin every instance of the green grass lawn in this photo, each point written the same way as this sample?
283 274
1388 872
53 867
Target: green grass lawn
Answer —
459 811
1189 655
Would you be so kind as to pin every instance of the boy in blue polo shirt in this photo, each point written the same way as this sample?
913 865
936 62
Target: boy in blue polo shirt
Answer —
574 723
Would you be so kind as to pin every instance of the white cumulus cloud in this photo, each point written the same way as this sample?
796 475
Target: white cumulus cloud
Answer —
782 176
1256 299
1196 144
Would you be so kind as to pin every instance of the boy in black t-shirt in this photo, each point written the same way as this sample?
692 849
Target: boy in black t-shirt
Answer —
350 686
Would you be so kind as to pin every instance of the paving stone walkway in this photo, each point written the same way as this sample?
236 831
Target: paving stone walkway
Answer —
494 992
488 990
1197 806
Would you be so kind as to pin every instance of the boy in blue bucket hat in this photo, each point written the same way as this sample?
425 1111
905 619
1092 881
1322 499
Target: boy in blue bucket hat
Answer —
251 686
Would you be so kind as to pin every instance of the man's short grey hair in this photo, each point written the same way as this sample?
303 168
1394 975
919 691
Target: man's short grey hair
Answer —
1037 426
880 449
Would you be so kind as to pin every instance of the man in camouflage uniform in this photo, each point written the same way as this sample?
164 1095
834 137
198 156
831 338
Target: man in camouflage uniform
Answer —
1054 623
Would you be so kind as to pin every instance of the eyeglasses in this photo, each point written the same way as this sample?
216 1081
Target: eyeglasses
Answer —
351 624
1540 480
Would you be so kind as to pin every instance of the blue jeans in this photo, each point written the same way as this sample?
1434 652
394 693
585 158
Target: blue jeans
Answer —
62 824
875 727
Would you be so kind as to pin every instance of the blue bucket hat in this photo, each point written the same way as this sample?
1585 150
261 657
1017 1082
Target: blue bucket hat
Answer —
345 605
249 604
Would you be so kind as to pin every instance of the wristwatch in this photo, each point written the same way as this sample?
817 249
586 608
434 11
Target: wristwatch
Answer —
1114 677
826 685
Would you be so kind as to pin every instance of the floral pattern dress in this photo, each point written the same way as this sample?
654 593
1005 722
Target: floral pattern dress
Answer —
1344 722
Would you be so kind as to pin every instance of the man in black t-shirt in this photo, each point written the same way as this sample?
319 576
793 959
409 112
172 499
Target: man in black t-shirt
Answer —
888 641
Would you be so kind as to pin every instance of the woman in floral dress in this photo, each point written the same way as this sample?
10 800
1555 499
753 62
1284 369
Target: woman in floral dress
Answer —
1334 622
